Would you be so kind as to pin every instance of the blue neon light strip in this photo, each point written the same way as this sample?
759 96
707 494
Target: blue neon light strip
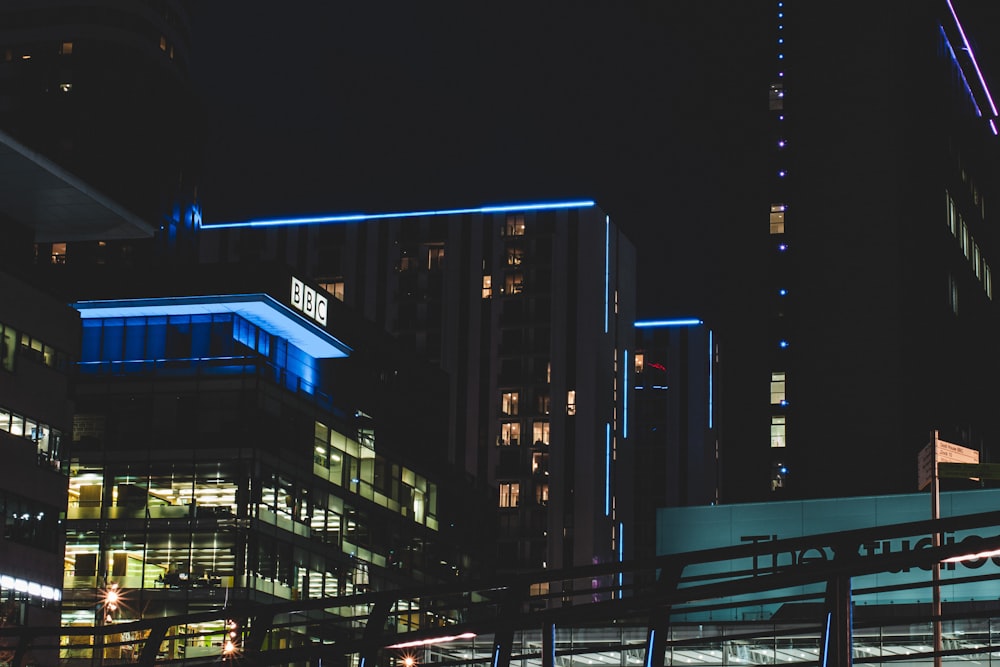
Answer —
259 309
972 57
607 268
621 558
826 638
363 217
625 384
711 367
961 73
686 322
649 648
607 469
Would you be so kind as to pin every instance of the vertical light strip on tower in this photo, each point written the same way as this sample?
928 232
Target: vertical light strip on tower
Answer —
625 383
607 268
711 367
607 469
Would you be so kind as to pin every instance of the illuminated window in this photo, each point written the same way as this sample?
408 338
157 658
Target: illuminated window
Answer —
540 463
987 280
58 253
515 256
514 225
508 402
540 433
487 287
977 260
66 48
510 494
407 263
435 257
778 388
510 433
640 359
952 217
571 402
334 288
542 494
544 404
963 239
777 430
7 343
778 218
513 283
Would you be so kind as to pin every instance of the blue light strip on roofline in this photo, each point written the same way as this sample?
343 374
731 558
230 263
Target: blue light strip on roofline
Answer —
363 217
972 57
685 322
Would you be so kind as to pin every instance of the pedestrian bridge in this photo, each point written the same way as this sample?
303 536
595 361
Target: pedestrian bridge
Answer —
751 604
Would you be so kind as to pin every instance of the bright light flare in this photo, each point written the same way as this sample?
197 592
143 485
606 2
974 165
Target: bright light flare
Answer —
434 640
976 556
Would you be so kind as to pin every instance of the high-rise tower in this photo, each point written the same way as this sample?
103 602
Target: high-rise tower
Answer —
879 312
530 310
102 89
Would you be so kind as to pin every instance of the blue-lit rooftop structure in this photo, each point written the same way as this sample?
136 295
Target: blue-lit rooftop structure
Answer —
258 309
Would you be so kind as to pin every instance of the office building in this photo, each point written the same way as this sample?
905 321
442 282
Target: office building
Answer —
876 317
255 445
40 336
529 309
674 421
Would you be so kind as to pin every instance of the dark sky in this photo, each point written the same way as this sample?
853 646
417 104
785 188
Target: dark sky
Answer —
316 106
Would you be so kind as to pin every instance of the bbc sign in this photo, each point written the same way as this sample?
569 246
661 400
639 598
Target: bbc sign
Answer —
309 301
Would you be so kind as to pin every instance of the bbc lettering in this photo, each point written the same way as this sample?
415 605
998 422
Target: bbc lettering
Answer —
309 301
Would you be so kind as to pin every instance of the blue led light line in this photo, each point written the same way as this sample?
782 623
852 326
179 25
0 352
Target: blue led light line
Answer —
684 322
607 470
961 72
362 217
625 384
711 362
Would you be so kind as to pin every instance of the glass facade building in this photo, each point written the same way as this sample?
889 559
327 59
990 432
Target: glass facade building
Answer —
223 450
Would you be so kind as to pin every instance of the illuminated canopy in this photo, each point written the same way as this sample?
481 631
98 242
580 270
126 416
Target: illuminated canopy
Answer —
259 309
57 205
362 217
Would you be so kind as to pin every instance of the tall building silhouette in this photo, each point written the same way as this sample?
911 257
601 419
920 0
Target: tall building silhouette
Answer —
103 90
876 316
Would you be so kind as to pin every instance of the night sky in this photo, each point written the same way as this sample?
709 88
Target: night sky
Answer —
330 107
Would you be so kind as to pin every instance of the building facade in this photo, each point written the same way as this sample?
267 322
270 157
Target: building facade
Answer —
40 336
876 316
529 309
229 447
